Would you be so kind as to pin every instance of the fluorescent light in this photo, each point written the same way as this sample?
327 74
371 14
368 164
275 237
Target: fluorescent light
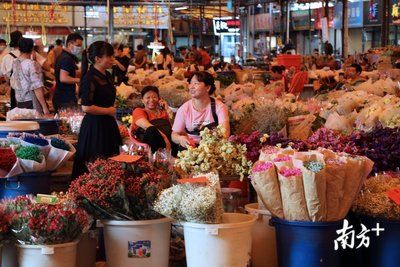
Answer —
31 35
181 8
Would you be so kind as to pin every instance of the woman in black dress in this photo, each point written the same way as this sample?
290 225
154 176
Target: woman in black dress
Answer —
99 134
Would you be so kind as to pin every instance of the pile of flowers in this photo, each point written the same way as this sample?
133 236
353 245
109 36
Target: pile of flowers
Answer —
374 199
127 120
251 141
192 200
215 153
44 224
121 191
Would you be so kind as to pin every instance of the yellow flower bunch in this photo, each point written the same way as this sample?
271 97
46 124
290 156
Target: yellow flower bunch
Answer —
127 120
215 153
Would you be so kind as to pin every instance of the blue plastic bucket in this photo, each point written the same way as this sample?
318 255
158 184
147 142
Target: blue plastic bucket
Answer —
306 244
24 184
383 250
47 126
17 127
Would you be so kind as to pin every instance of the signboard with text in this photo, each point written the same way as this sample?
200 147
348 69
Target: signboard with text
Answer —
355 15
226 26
373 13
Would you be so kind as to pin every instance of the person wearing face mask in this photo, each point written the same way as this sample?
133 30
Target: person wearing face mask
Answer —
99 134
201 112
27 79
7 63
66 73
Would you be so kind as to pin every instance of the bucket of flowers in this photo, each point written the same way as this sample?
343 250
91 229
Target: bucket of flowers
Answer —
46 234
121 191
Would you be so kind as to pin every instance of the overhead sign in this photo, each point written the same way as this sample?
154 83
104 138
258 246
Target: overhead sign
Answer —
373 13
301 20
226 26
263 22
355 15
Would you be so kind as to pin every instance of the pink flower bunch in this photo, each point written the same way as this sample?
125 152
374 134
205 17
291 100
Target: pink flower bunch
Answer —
262 166
289 172
282 159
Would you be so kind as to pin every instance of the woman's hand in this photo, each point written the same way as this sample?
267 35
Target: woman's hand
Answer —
163 104
185 141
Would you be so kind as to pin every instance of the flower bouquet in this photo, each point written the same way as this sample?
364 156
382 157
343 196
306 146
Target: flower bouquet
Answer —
44 224
195 200
39 141
316 185
375 199
60 152
9 163
30 158
119 190
215 153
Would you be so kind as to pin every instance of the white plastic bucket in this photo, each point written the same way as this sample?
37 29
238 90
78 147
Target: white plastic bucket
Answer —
219 245
137 243
264 243
86 251
9 254
60 255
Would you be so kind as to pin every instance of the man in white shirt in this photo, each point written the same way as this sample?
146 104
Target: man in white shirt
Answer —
8 60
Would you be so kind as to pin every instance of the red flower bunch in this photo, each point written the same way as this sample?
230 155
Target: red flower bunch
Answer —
38 223
7 159
101 184
55 224
252 143
120 191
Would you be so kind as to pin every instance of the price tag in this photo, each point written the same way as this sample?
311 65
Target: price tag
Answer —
394 195
126 158
47 251
46 199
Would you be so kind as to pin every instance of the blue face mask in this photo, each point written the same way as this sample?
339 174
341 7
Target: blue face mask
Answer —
76 50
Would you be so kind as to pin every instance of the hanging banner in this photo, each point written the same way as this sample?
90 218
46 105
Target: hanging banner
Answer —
395 12
355 15
301 20
226 26
318 14
325 29
373 13
263 22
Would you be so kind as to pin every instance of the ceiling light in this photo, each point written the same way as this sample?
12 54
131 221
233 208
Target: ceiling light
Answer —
182 8
31 35
259 5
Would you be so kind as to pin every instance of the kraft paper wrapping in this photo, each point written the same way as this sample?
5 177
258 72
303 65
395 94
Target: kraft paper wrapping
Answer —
335 176
267 187
357 170
314 191
293 199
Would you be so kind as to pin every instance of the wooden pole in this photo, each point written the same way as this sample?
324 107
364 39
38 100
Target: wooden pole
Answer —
345 30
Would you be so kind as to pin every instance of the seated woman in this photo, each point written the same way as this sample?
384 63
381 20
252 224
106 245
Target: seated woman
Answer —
202 111
151 124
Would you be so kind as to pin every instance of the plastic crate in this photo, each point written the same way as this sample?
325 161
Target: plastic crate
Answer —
290 61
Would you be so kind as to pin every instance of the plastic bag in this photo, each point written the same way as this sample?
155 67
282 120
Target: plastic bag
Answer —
22 113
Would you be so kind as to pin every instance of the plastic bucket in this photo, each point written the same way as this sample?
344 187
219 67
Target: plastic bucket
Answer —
9 254
17 127
383 250
226 244
137 243
308 244
86 251
24 184
60 255
263 252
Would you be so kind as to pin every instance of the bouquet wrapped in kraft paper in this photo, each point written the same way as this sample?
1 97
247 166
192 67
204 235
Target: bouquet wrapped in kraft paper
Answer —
317 185
265 182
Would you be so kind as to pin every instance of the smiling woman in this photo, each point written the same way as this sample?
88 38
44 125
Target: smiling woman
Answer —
151 124
201 112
